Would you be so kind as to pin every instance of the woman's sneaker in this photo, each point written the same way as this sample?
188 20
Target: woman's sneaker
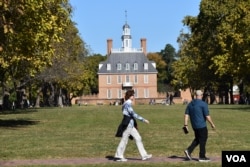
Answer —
147 157
204 159
120 159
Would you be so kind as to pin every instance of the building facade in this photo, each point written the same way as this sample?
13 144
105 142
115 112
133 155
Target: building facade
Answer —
127 68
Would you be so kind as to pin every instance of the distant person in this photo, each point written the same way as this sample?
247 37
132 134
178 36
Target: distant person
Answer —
127 129
167 99
198 112
171 98
13 105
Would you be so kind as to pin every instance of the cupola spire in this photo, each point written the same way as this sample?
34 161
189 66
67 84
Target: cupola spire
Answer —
126 36
126 16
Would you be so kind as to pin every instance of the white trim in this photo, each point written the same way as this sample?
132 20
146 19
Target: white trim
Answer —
146 93
119 79
109 93
109 79
146 78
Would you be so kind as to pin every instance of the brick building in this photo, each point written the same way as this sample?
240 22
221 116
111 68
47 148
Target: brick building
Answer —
127 68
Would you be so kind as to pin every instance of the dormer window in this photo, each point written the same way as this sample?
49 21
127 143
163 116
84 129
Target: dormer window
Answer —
108 67
127 66
119 66
135 66
145 66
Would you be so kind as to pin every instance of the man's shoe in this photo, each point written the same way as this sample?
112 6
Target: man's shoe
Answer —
188 155
204 159
120 159
147 157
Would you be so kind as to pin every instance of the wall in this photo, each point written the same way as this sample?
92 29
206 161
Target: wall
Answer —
95 100
139 86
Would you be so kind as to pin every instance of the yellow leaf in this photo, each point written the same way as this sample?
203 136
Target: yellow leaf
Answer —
5 27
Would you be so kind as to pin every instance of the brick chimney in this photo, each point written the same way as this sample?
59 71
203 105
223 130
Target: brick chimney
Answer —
109 46
144 45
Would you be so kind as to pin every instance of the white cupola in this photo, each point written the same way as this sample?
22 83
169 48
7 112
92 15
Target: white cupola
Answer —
126 37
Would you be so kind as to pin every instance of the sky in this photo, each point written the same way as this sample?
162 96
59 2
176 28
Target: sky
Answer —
159 21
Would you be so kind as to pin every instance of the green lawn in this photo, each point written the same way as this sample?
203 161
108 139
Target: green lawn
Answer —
88 131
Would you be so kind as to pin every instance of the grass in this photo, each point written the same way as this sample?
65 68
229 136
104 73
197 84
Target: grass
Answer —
88 131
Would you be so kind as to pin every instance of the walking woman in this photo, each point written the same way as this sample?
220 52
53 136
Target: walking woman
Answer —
127 129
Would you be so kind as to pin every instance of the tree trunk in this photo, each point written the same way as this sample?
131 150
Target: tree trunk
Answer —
37 105
60 98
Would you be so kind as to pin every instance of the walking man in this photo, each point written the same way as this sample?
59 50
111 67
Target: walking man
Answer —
197 111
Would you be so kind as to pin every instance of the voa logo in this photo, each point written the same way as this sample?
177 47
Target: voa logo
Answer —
236 158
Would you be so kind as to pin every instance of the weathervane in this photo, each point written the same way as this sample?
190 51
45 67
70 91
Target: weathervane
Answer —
126 16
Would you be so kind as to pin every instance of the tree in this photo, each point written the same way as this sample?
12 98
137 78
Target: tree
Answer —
230 23
169 56
218 42
161 68
27 29
91 66
65 73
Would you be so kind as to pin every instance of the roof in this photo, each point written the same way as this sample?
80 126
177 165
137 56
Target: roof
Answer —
125 26
127 57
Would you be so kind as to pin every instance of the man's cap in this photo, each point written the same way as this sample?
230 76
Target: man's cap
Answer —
198 93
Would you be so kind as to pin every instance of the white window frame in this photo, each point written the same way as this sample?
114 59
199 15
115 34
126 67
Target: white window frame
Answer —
146 79
127 66
127 78
136 93
135 79
119 93
108 67
146 93
109 79
119 79
135 66
119 66
145 66
109 93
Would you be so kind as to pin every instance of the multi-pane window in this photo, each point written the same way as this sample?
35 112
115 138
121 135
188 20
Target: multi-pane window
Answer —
119 66
127 66
119 79
145 66
145 78
127 78
135 66
146 93
119 94
135 79
108 79
109 94
136 93
108 67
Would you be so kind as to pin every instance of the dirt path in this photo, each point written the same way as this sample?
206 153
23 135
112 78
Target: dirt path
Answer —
81 161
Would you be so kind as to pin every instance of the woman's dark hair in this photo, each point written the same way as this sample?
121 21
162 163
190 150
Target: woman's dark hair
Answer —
129 93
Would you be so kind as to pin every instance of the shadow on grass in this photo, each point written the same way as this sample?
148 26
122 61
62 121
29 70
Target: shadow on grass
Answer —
17 111
181 158
244 108
173 157
15 123
112 158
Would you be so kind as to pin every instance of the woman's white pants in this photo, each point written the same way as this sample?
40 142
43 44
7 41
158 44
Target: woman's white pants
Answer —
124 141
